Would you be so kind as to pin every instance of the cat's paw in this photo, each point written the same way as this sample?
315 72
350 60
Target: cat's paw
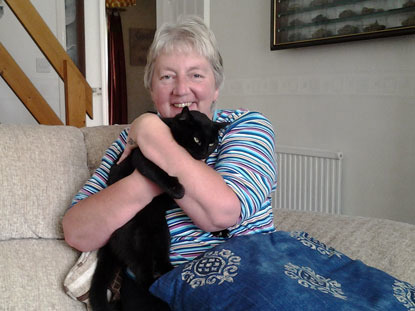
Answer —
222 234
176 191
166 267
173 188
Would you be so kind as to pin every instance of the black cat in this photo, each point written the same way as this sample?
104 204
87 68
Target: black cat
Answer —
143 243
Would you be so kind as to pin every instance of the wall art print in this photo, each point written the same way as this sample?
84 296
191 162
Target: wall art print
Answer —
299 23
140 41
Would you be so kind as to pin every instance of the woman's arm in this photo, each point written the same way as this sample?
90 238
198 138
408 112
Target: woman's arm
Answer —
208 201
88 224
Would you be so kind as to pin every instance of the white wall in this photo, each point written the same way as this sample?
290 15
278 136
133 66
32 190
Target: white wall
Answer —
357 97
170 11
45 79
31 60
96 59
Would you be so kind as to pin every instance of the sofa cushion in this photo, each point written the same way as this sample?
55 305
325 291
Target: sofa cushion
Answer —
42 168
32 275
97 140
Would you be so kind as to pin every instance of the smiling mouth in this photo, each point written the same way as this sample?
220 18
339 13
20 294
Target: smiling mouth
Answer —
182 105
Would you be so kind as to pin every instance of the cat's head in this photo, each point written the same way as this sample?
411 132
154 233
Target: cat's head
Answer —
195 132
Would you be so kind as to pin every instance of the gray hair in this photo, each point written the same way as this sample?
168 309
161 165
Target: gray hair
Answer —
189 34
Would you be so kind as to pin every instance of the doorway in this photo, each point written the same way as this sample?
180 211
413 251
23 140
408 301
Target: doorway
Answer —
136 21
146 14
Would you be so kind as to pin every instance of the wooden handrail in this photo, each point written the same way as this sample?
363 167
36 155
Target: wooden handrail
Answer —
78 97
75 113
25 90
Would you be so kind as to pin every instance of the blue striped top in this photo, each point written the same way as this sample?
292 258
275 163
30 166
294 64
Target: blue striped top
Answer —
245 158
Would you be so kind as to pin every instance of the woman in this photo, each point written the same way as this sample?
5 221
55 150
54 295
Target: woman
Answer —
231 189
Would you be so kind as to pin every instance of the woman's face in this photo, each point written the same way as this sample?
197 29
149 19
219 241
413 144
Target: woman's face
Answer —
183 79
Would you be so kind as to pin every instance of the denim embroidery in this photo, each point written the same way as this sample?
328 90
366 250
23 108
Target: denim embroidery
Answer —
405 293
314 244
215 266
308 278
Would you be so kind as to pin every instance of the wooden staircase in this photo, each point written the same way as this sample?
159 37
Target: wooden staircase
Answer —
78 93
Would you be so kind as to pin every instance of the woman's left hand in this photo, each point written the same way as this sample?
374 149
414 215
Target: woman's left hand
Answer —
208 201
135 128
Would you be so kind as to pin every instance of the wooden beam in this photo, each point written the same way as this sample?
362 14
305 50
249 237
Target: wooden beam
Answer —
28 16
78 78
30 19
25 90
75 97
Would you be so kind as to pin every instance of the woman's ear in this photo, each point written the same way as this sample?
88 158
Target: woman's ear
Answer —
215 97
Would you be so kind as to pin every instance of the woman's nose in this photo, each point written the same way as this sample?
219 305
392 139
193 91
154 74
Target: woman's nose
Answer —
181 86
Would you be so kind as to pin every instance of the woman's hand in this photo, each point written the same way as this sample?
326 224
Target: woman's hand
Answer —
135 129
212 205
131 144
208 201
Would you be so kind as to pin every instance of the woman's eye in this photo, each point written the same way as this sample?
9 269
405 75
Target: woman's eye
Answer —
165 77
197 141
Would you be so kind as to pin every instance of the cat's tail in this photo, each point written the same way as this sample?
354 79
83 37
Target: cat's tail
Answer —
104 274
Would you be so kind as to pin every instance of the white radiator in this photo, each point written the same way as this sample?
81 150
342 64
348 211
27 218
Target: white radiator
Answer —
308 180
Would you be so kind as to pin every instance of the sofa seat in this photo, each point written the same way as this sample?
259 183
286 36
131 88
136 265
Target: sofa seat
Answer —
32 274
42 168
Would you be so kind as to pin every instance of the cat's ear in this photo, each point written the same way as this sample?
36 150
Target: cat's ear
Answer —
221 125
185 114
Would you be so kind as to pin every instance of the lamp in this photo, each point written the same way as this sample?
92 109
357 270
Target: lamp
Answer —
119 3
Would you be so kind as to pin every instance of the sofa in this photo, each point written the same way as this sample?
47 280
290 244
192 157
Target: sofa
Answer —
42 167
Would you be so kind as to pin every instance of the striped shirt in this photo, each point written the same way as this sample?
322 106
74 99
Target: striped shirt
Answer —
245 158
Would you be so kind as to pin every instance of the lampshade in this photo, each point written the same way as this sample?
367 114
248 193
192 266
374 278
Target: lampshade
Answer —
119 3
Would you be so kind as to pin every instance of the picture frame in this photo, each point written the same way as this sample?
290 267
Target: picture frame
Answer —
140 41
300 23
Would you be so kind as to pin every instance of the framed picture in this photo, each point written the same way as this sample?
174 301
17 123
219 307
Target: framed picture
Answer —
140 41
298 23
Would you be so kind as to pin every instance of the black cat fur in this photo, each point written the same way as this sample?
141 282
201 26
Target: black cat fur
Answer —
143 243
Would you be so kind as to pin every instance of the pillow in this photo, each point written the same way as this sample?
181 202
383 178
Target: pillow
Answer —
78 281
280 271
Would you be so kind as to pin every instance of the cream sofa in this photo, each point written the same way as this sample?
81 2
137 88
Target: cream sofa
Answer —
42 167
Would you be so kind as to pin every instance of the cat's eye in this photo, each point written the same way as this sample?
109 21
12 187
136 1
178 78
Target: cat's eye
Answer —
211 144
197 140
